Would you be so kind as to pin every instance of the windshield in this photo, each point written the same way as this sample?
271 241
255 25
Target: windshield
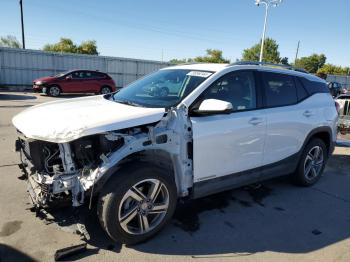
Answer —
164 88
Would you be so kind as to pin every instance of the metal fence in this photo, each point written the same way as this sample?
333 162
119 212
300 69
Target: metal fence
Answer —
343 80
20 67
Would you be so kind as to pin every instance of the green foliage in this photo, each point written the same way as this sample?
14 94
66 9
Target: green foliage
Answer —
66 45
213 56
176 61
311 63
329 69
271 53
284 61
88 47
9 41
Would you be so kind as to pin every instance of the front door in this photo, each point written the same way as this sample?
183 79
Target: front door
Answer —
74 81
229 146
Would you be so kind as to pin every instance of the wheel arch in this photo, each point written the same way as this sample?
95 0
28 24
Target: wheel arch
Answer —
325 134
156 157
54 84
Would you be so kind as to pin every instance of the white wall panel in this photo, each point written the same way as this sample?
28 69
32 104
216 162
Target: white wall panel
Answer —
21 67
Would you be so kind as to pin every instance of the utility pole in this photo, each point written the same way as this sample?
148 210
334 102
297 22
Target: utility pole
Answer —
267 4
296 55
162 55
23 41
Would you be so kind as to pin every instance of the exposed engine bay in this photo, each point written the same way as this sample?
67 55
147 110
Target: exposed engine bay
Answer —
69 172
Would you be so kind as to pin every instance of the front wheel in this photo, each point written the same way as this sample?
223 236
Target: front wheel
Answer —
105 90
312 163
54 91
136 204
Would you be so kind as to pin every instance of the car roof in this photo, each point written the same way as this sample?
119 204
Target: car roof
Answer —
219 67
200 66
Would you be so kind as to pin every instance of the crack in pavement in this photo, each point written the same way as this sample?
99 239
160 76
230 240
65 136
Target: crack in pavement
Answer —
331 195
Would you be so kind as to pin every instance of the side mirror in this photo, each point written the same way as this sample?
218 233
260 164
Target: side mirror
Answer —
69 77
214 106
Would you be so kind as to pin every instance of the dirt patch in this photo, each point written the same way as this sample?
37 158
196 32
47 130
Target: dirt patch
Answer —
10 228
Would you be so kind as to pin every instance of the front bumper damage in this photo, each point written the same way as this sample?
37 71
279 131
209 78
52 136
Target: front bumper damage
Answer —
69 182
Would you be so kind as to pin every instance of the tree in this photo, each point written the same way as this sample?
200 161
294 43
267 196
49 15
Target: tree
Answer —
213 56
9 41
271 53
176 61
329 69
311 63
66 45
88 47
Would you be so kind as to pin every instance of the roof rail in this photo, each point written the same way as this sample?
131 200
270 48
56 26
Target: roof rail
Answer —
288 67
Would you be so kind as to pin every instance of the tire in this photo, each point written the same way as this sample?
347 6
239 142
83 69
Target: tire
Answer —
311 164
123 217
105 90
54 91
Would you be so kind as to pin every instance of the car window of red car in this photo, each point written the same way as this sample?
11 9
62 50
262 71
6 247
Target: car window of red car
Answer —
78 75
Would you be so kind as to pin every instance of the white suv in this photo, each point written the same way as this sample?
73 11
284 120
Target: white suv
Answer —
218 127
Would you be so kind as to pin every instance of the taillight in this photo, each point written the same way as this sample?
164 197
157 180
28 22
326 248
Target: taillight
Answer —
337 106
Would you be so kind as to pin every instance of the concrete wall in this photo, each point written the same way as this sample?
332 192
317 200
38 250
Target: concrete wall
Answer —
20 67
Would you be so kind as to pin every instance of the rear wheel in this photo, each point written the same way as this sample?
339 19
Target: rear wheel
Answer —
54 91
105 90
312 163
136 204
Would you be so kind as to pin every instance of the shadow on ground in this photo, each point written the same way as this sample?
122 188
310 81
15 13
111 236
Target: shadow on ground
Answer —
17 97
275 216
8 253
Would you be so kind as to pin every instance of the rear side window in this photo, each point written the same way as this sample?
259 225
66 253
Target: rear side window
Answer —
279 90
301 92
314 87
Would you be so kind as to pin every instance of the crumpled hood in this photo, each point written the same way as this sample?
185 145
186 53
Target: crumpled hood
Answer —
67 120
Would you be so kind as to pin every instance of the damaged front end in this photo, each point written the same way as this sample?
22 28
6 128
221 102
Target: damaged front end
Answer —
55 170
68 172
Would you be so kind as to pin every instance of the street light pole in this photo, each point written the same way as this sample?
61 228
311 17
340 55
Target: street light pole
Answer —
267 4
22 23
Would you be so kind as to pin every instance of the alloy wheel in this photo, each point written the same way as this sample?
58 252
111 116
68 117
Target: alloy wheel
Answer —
313 163
54 91
143 207
105 90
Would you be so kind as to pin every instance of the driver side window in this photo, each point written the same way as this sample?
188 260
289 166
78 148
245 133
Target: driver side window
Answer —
238 88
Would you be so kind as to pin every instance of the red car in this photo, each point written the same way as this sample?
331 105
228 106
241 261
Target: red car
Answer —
77 81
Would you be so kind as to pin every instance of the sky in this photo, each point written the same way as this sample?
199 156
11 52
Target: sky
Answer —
164 29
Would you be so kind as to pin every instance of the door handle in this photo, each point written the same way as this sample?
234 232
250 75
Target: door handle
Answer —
255 121
308 113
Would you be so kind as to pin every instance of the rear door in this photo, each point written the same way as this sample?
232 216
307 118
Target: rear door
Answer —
289 119
91 82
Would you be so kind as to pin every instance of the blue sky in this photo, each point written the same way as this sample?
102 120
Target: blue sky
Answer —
183 28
